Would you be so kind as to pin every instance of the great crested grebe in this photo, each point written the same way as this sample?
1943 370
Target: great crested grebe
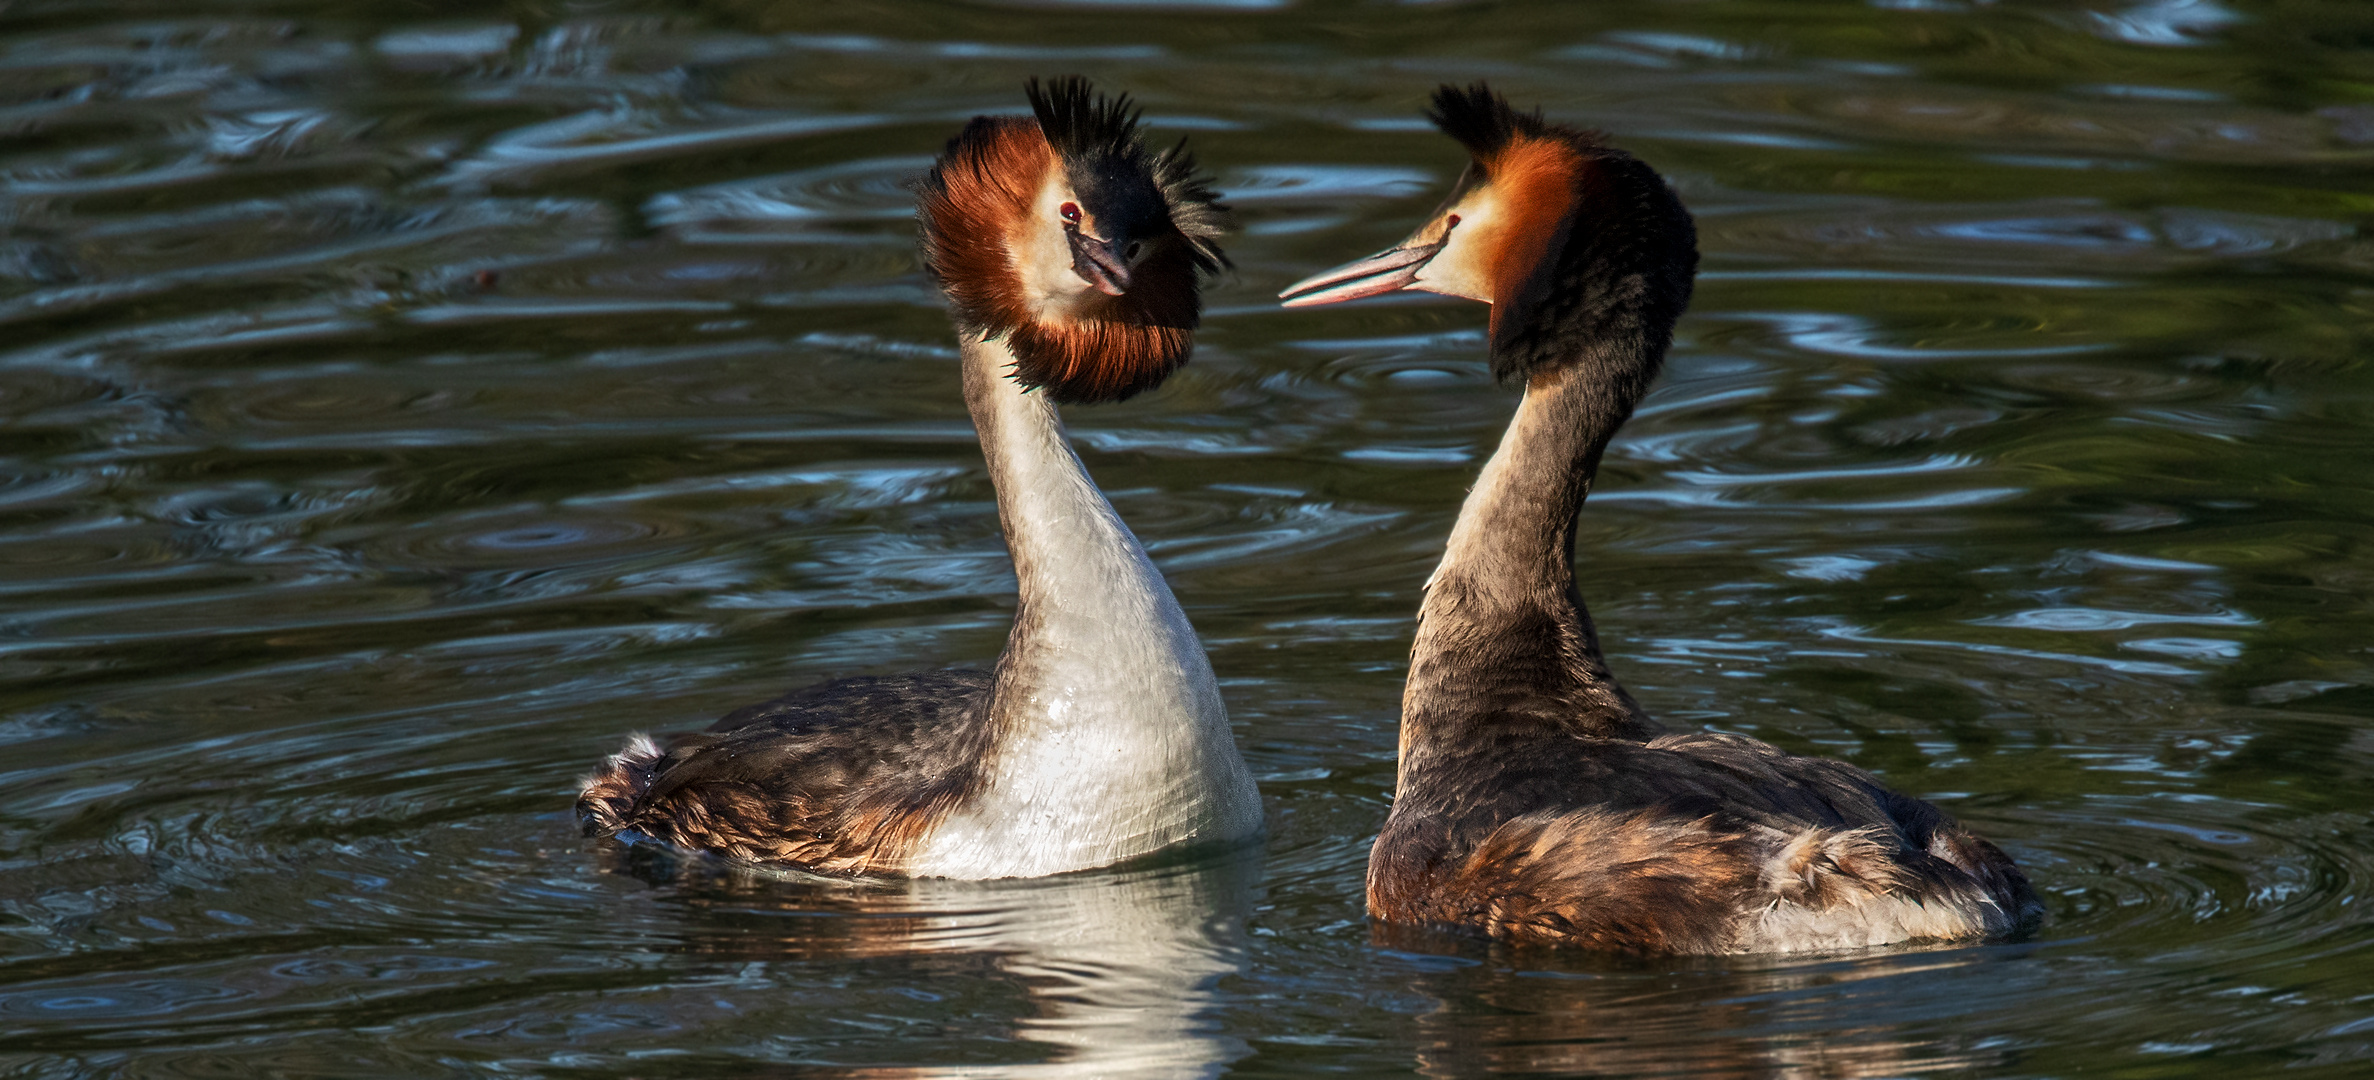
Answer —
1537 801
1069 254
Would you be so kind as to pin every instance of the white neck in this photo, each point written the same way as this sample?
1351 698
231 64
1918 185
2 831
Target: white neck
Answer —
1113 741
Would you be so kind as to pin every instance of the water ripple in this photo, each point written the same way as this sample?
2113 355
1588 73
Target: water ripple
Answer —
400 408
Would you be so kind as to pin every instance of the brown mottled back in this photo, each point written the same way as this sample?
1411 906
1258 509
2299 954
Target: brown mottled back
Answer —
841 777
1681 844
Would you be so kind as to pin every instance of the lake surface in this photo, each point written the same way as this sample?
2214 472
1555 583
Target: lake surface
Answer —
400 404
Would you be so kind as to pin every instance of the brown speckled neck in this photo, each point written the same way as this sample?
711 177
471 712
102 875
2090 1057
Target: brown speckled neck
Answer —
1503 636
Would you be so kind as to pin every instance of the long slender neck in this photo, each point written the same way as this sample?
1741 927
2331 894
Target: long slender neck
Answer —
1503 639
1112 737
1087 586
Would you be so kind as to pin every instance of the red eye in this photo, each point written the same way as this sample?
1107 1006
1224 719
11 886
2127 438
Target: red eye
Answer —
1070 212
1454 222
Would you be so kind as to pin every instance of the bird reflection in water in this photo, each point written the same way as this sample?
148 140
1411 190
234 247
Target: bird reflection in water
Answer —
1118 966
1529 1011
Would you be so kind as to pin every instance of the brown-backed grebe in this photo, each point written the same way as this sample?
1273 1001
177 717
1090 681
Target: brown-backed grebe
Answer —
1070 256
1536 800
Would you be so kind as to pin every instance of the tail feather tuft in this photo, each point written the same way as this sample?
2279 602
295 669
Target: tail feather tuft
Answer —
605 798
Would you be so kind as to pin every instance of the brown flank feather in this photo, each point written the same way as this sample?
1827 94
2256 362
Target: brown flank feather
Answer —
1642 882
1618 882
750 821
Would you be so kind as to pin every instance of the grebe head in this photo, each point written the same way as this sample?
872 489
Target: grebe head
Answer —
1065 236
1567 238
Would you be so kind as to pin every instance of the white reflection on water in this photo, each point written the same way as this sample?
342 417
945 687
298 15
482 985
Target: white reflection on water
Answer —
2166 22
1120 966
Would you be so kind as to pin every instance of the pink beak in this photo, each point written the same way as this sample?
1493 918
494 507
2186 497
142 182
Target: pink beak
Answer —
1394 268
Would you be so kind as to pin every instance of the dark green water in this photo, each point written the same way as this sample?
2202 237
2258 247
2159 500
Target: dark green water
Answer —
399 404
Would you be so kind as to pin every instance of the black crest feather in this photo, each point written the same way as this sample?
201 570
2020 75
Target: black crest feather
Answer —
1098 137
1196 210
1080 123
1481 120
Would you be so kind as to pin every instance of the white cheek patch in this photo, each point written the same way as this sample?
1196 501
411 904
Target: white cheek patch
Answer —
1463 267
1043 255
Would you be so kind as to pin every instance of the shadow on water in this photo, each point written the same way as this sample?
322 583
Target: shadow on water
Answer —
1537 1012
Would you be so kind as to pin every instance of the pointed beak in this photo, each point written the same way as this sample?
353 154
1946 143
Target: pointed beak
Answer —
1099 262
1384 272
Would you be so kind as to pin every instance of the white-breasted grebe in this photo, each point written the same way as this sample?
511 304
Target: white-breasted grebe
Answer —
1536 800
1070 256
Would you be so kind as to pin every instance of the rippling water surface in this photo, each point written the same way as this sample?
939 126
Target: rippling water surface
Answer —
401 403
